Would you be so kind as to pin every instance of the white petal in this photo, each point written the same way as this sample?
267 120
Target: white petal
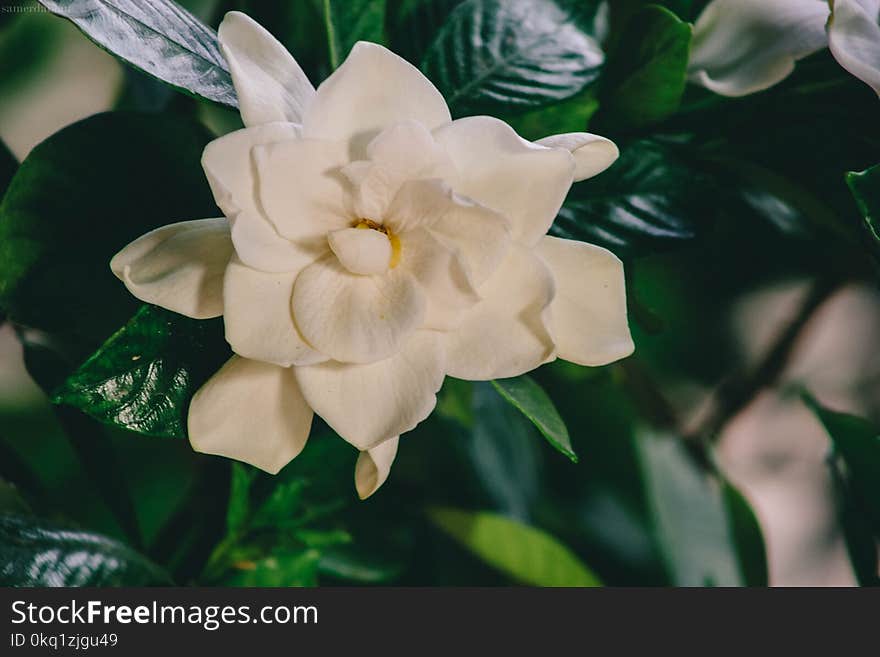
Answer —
259 320
506 333
252 412
179 266
588 313
479 235
371 90
259 245
854 39
592 153
743 46
229 169
356 319
365 404
373 467
442 275
361 250
496 167
269 83
419 203
302 189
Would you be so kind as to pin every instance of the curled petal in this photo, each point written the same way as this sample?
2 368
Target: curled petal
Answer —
270 85
854 38
524 182
229 169
443 276
373 466
252 412
302 189
361 250
743 46
592 153
259 245
588 313
258 318
371 90
365 404
353 318
505 334
179 266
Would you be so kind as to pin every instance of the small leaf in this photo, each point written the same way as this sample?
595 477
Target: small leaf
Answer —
526 554
283 568
648 201
144 376
534 403
38 553
645 77
705 530
865 187
500 55
160 38
350 21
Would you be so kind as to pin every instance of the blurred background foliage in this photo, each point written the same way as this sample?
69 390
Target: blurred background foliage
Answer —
700 460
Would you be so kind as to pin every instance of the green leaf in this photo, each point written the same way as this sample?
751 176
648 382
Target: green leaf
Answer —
350 562
645 76
11 500
857 442
38 553
493 55
63 217
706 532
865 187
413 24
526 554
285 568
649 200
144 376
8 165
534 403
350 21
239 497
160 38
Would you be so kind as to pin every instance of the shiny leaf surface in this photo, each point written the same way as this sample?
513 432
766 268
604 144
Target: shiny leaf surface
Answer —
513 54
160 38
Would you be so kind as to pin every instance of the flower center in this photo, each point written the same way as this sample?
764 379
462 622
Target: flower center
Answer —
392 238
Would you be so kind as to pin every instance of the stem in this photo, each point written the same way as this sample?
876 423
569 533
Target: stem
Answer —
737 392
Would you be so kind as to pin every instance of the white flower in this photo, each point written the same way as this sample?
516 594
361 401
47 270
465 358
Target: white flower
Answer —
372 246
744 46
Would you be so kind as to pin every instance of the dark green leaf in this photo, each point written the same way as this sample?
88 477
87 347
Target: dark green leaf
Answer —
649 200
526 554
239 497
11 500
506 54
77 199
8 165
857 442
534 403
645 76
413 24
144 376
861 546
865 186
707 536
160 38
285 568
38 553
351 562
350 21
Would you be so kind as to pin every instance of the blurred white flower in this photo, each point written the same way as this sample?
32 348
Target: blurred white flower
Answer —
744 46
370 247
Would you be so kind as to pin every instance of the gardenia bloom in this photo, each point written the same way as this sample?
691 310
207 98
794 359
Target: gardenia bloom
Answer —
744 46
370 247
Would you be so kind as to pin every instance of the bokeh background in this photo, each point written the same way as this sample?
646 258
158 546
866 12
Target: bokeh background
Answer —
708 311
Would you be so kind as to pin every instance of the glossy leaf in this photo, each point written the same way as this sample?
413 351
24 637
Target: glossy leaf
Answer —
144 376
39 553
350 21
533 402
865 187
513 54
644 78
705 532
160 38
77 199
648 201
524 553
